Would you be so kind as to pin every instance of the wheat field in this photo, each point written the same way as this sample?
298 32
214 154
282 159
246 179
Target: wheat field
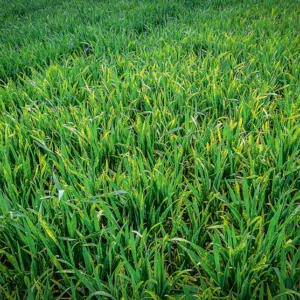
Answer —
149 149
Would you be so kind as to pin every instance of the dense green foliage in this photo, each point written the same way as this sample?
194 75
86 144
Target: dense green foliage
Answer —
149 149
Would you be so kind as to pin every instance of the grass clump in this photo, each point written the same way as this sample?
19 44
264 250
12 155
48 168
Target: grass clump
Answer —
149 149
